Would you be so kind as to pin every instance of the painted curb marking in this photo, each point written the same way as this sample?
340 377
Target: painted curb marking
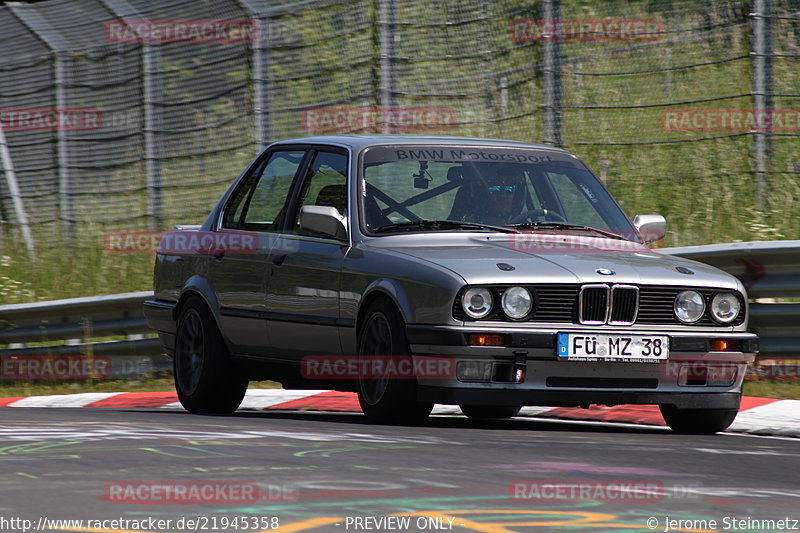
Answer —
763 416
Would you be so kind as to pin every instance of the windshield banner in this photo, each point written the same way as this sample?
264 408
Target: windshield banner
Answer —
470 154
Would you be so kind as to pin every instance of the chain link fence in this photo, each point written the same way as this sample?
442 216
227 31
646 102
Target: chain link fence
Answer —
137 114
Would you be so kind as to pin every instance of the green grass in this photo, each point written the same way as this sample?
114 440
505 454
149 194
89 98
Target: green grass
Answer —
785 390
68 268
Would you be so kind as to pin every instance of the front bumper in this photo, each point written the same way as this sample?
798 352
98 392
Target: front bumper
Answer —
527 371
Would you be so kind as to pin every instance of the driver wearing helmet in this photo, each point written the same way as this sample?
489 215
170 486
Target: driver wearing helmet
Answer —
498 199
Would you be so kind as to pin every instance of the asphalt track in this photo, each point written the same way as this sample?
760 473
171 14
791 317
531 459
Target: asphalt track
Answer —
323 471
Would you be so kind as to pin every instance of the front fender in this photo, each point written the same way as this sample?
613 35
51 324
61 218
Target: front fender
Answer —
395 291
422 290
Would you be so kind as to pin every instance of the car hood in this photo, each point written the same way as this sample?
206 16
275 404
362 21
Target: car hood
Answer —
560 259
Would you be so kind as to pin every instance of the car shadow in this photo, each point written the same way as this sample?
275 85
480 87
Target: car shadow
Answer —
442 422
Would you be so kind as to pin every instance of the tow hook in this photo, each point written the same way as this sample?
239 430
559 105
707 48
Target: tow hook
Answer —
520 365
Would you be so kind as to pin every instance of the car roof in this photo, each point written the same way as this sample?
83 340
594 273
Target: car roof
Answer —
358 142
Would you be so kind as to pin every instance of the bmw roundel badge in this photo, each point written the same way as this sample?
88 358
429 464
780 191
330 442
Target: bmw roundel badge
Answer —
605 272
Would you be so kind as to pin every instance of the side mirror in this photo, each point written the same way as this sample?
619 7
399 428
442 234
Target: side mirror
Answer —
324 220
650 227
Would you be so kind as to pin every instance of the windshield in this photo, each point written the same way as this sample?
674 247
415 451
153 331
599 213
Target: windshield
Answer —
524 188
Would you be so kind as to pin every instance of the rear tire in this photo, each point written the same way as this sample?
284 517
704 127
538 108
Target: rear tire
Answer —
488 412
206 379
697 421
387 399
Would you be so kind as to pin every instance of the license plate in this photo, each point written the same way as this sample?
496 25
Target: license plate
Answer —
603 347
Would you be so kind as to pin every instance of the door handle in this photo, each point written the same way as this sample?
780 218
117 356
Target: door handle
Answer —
219 254
277 260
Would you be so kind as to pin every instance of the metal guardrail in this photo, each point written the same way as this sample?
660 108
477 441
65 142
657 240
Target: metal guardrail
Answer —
769 269
75 318
71 327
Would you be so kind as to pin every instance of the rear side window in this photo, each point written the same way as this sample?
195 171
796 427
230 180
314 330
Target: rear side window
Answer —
235 209
264 208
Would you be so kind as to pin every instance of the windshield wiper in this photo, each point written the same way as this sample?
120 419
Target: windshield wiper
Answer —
561 225
441 225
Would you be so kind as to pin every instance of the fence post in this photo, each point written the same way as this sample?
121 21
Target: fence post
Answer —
31 19
151 91
262 77
387 21
16 198
151 60
762 43
503 87
65 172
552 77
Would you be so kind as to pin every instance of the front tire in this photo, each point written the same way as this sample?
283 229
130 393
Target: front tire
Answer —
489 412
697 421
206 379
386 398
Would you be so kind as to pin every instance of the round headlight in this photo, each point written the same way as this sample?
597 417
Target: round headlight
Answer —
689 306
517 302
725 307
477 302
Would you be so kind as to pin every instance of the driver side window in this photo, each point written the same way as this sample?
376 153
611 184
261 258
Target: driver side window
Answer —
325 184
